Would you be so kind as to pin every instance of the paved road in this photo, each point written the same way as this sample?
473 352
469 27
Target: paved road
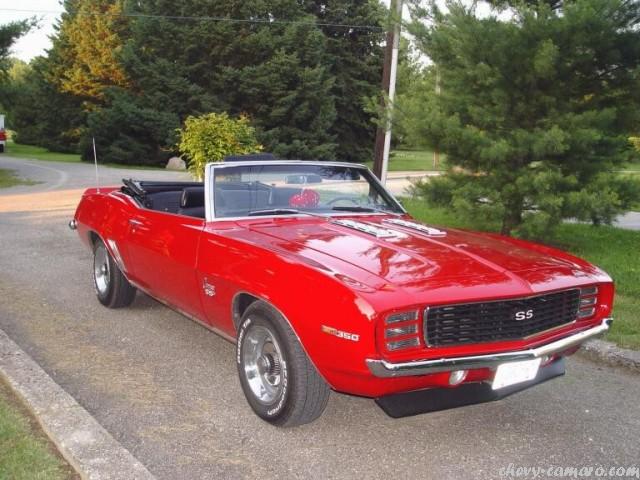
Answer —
167 388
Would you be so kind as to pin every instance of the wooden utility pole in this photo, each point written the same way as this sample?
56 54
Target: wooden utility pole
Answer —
436 150
389 73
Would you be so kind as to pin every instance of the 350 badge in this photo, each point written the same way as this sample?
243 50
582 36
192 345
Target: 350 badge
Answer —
354 337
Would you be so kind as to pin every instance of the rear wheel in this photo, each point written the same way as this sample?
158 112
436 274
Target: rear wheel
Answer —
279 381
112 288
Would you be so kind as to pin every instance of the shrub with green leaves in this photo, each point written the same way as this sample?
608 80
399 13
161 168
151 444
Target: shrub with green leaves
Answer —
211 137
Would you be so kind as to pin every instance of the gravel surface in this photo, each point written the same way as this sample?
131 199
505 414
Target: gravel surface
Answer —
167 388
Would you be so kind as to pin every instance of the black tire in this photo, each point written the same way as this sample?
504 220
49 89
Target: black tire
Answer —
112 288
1 148
302 394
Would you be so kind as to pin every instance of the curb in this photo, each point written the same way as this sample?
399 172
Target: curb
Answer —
611 354
81 440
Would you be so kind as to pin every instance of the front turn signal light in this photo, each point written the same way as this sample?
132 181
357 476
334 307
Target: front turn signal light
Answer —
402 330
588 302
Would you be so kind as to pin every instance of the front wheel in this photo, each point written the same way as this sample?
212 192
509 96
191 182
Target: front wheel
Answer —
279 381
112 288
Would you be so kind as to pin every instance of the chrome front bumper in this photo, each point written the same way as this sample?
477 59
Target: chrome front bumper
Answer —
384 369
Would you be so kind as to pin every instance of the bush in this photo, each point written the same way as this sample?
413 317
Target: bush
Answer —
211 137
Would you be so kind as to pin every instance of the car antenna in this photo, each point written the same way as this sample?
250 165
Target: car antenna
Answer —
95 161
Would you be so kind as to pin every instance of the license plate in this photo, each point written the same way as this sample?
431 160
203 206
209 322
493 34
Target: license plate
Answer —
515 372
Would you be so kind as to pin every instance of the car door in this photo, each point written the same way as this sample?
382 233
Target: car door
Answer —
163 250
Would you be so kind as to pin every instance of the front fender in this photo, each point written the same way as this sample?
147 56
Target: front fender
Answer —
334 324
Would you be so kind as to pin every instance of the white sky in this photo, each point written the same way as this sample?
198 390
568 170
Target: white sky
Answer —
36 42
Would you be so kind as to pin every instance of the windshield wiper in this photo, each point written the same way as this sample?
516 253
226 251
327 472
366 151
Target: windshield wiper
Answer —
274 211
282 211
360 208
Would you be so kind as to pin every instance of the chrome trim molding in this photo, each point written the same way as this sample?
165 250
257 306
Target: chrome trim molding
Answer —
367 228
202 323
254 163
384 369
430 231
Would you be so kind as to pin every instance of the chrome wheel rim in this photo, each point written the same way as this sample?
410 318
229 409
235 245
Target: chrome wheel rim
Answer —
262 362
101 269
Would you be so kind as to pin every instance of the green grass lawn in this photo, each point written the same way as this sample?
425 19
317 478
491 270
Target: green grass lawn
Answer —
25 453
613 249
9 179
411 160
632 167
38 153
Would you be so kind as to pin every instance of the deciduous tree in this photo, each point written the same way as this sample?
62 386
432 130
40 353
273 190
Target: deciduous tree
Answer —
89 40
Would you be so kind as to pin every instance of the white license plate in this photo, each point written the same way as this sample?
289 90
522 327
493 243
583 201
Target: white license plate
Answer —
515 372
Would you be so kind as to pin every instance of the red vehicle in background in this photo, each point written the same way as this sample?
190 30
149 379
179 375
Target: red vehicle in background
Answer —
3 135
323 282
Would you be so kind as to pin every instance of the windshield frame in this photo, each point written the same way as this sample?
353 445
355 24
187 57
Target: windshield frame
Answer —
211 169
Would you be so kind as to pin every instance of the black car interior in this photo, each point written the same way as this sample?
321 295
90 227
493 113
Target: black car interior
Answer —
187 198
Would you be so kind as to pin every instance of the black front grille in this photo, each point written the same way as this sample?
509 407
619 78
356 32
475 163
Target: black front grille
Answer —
496 320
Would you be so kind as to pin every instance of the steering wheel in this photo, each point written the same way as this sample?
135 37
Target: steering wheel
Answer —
348 199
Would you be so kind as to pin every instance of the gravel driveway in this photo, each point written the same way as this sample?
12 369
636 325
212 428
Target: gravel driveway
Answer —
167 388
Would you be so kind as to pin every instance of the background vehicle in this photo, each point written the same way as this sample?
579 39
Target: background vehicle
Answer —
3 135
324 282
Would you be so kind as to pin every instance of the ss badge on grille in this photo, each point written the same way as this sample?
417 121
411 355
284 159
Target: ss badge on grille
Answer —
523 315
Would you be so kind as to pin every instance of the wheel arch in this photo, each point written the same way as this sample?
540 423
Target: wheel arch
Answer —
243 299
93 237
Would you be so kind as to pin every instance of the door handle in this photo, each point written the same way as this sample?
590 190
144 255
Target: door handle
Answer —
135 223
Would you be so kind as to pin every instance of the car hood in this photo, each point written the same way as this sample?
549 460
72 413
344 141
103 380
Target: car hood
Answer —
418 263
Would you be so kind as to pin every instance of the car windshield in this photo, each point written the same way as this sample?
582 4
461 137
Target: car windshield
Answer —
289 189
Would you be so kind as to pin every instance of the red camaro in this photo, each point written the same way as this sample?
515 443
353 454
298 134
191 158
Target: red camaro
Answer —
324 282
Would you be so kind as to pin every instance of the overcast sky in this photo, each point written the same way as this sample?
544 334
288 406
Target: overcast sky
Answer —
36 42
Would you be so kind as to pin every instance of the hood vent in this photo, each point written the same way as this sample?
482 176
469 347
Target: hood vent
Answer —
432 232
367 228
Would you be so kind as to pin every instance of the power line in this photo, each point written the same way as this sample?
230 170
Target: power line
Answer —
266 21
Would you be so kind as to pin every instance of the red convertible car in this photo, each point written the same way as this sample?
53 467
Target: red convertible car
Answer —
324 282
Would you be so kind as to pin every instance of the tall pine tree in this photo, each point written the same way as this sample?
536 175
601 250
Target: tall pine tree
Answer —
271 71
535 109
292 66
355 61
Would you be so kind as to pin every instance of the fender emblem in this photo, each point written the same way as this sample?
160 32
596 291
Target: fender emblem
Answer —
209 290
354 337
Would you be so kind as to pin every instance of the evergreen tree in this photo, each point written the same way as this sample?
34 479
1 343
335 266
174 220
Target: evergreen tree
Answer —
40 114
355 62
535 110
301 82
129 131
415 85
273 72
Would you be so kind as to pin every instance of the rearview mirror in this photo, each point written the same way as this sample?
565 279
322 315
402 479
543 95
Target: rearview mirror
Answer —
302 179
